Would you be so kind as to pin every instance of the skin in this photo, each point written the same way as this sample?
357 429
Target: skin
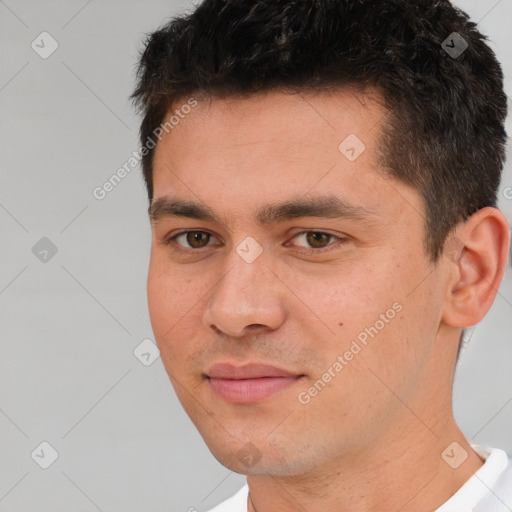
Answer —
372 438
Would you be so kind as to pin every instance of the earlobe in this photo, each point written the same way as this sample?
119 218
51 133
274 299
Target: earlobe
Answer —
477 255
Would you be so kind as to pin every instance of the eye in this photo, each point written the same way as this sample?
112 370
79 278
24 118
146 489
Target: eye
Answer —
194 239
318 240
312 241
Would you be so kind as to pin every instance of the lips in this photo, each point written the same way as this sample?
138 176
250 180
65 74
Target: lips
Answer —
249 371
249 383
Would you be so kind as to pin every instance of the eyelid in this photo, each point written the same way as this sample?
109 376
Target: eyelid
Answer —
301 249
171 239
338 240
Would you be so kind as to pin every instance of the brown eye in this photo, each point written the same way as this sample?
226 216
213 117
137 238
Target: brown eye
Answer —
317 239
317 242
191 239
197 239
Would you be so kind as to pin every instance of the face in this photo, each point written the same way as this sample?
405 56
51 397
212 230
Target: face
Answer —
289 291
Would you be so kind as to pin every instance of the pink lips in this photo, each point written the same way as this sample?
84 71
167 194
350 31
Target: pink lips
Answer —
250 383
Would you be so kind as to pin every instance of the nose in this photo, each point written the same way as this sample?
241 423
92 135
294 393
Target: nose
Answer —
248 298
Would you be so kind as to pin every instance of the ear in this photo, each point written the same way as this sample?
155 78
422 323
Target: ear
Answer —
477 255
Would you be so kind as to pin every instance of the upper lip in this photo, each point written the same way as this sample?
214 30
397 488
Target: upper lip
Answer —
247 371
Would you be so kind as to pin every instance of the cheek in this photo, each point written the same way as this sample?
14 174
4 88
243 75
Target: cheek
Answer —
171 289
161 292
349 300
369 312
396 330
171 300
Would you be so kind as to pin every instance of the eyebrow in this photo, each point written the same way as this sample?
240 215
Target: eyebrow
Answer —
319 206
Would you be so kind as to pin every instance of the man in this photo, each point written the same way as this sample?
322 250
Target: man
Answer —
323 207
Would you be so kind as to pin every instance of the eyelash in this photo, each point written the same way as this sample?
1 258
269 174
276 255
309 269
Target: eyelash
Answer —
171 241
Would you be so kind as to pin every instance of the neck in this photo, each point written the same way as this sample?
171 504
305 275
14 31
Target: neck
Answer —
403 471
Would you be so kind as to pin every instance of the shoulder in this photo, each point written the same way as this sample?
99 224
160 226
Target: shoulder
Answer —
496 482
502 489
237 503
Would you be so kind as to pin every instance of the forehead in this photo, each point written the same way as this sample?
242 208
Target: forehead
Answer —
247 152
272 129
263 116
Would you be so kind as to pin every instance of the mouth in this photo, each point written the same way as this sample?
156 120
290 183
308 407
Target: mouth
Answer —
250 383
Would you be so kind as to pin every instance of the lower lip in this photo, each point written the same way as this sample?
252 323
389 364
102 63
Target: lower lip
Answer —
247 391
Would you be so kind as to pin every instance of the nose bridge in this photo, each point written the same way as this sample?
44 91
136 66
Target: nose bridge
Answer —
246 295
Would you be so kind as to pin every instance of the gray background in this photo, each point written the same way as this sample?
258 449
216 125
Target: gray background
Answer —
69 326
